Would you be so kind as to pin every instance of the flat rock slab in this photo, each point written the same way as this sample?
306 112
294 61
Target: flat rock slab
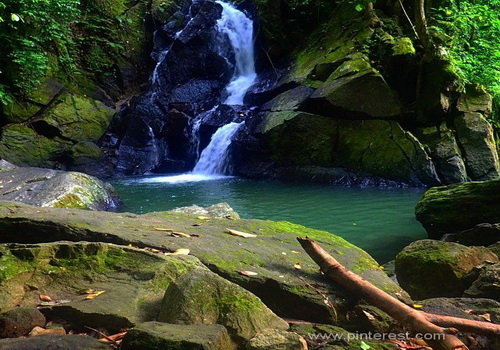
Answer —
53 342
157 335
274 255
90 284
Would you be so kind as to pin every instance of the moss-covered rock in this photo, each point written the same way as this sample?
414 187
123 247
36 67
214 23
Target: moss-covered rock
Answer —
79 118
475 136
158 336
276 282
54 342
429 268
271 339
454 208
133 281
23 146
202 297
54 188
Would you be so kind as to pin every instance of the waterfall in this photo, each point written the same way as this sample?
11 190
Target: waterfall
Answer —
239 29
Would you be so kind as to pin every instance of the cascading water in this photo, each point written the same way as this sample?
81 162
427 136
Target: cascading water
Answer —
239 29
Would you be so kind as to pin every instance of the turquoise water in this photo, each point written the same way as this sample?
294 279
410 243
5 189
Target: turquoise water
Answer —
381 221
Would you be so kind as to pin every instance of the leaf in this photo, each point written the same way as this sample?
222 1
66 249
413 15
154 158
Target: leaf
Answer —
487 317
180 251
359 7
297 266
364 346
15 17
179 234
163 229
94 295
202 217
417 306
87 291
240 233
45 297
248 273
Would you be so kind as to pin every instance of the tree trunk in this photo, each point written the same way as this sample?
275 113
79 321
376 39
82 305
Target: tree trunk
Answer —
407 316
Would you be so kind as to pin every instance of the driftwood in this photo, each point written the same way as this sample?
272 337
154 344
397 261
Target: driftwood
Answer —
443 327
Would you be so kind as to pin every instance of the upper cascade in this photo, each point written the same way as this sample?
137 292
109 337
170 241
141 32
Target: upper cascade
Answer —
239 29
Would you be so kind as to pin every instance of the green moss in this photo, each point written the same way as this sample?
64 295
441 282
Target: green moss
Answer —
11 266
403 46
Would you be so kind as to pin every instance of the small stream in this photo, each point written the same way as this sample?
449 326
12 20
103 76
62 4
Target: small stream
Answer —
381 221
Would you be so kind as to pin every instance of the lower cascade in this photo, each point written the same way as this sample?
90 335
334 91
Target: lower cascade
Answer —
215 159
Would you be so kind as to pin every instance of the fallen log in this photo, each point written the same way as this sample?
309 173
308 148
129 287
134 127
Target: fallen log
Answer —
414 320
464 325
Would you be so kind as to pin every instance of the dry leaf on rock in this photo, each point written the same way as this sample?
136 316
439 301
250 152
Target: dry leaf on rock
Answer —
180 251
44 297
240 233
248 273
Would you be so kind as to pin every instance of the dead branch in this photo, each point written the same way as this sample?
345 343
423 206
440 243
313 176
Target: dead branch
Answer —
404 314
464 325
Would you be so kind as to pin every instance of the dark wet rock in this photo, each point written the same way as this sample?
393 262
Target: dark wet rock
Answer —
219 210
272 339
476 138
53 342
486 282
55 188
468 308
429 268
444 152
276 282
133 281
20 321
459 207
290 100
202 297
156 335
482 234
475 99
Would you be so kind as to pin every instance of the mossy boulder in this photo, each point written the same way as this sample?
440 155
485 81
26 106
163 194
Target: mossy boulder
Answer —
272 339
272 254
476 138
55 188
79 118
156 335
202 297
429 268
22 146
219 210
134 281
453 208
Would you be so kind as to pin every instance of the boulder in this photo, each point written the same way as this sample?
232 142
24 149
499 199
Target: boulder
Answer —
429 268
486 282
53 342
475 99
459 207
157 335
272 254
476 138
445 153
55 188
219 210
481 234
272 339
202 297
132 282
20 321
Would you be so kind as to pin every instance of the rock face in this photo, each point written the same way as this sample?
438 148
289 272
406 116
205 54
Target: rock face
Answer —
201 297
486 283
481 234
273 339
54 188
454 208
157 335
429 268
276 282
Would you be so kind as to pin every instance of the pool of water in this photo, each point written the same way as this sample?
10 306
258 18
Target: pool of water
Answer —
381 221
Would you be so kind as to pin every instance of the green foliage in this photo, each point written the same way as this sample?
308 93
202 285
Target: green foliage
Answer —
472 34
59 37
